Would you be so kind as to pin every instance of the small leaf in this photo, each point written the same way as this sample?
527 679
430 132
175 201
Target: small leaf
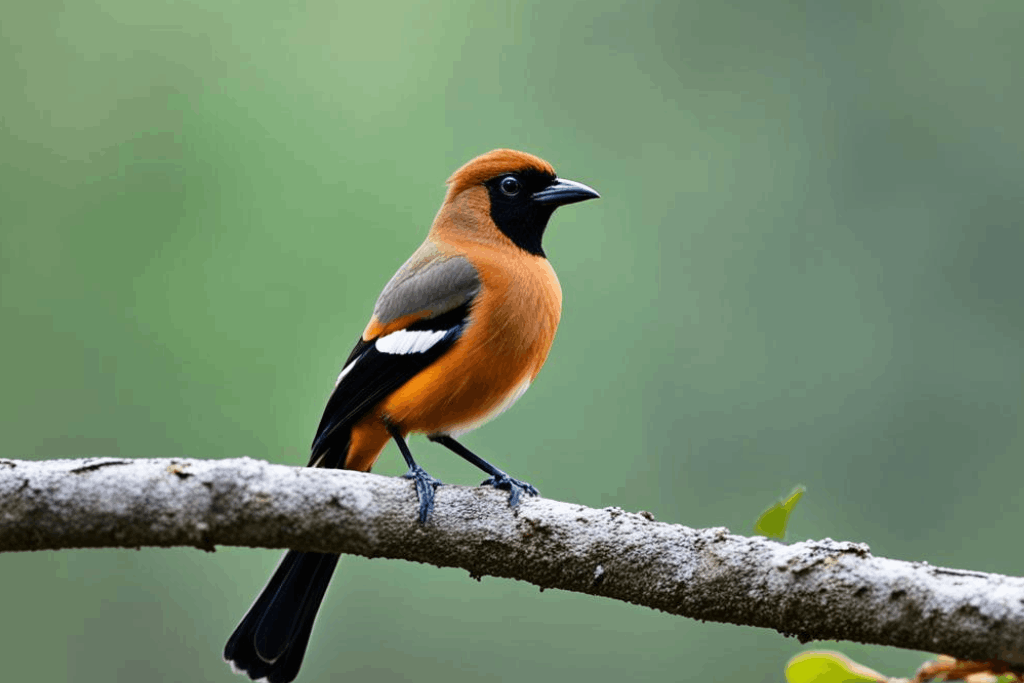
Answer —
772 522
829 667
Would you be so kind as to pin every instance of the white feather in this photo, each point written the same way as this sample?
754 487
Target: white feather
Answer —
404 342
344 371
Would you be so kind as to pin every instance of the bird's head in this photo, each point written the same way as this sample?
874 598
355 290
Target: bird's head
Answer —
518 192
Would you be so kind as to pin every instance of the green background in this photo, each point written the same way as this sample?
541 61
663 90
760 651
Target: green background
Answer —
806 267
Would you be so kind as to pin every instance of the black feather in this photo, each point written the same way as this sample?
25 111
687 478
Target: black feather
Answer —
520 218
271 639
373 378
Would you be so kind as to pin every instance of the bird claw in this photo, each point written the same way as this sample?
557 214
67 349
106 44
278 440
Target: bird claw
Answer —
425 486
515 487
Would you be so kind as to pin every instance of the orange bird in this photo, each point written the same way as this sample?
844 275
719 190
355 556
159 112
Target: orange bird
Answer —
456 337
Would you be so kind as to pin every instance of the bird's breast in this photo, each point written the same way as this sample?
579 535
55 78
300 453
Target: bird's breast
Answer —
519 310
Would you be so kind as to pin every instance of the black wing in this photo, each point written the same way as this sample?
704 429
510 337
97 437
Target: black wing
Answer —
372 374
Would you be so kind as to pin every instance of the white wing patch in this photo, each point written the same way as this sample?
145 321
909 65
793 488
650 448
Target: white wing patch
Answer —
405 342
402 342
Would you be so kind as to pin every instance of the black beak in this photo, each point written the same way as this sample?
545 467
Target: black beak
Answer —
561 192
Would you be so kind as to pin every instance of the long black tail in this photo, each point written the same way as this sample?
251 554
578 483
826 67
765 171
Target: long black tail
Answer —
271 639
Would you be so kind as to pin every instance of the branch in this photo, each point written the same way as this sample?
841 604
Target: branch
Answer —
814 590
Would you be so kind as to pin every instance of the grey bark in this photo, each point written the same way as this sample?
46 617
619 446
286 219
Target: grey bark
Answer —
813 590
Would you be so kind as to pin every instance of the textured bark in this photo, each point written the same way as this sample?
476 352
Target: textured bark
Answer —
814 589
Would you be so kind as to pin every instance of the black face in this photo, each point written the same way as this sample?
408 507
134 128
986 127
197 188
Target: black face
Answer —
515 212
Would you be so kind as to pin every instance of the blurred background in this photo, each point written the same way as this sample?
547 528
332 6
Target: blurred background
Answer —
805 268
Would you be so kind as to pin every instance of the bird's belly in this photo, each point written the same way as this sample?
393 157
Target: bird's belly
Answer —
495 411
444 400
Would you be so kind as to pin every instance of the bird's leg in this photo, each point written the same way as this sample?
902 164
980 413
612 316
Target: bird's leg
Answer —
425 484
498 479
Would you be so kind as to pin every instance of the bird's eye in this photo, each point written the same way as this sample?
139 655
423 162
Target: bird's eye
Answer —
510 186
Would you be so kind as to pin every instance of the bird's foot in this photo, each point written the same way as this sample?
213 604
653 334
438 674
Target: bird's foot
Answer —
515 488
425 485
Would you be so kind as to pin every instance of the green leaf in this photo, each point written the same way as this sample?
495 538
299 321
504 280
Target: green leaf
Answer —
772 522
828 667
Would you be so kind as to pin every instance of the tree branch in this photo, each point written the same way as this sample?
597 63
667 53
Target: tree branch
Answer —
814 590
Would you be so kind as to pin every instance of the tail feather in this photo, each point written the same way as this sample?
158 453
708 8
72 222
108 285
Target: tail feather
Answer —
286 612
271 639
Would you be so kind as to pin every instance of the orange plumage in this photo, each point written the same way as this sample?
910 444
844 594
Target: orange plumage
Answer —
456 337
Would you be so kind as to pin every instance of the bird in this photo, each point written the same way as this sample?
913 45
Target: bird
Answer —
456 337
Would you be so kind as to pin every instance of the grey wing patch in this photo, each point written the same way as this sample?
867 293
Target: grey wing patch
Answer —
427 282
